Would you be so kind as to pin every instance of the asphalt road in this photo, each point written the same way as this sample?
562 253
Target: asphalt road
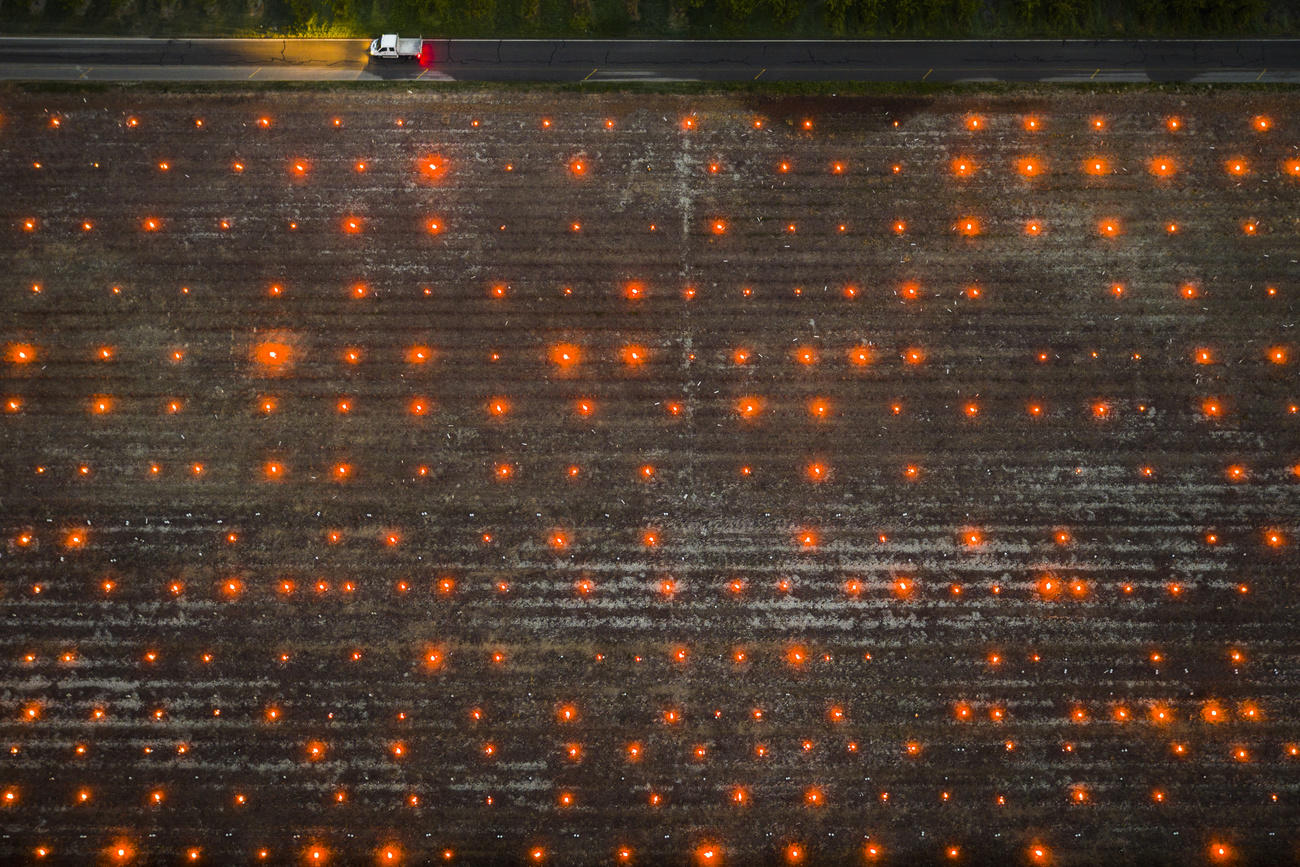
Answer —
108 59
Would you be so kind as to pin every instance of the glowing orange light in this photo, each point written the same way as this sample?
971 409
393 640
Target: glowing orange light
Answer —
1097 166
708 853
1030 167
20 353
273 354
565 354
1237 166
1109 227
718 227
1162 166
860 356
121 851
151 224
819 408
968 226
634 355
498 406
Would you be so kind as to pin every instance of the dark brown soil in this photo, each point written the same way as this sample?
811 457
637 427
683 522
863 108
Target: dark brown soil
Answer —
1133 549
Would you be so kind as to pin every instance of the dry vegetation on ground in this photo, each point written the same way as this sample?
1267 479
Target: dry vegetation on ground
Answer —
762 434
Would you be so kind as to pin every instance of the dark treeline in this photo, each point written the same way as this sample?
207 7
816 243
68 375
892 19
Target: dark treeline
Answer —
687 18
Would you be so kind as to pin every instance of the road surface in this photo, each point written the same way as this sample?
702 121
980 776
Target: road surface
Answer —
112 59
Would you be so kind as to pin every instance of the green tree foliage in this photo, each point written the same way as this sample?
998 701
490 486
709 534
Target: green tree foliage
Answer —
1029 11
584 17
479 10
1064 15
738 10
1149 13
837 15
871 13
907 14
785 11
